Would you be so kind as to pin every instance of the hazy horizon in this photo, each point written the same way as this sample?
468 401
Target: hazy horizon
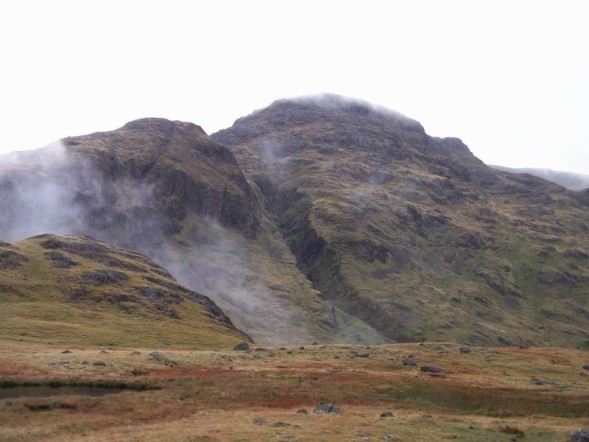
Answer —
509 79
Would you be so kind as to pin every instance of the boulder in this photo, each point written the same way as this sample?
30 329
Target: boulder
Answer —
242 346
581 435
327 408
430 369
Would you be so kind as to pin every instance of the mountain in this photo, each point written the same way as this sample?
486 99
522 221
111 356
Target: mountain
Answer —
169 191
570 180
414 235
72 290
318 219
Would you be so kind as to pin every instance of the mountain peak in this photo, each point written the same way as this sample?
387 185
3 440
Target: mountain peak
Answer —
328 107
162 125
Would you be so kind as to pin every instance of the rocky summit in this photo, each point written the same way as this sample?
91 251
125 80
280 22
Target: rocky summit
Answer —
320 219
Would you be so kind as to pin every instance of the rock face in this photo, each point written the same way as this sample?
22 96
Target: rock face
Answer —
187 171
413 234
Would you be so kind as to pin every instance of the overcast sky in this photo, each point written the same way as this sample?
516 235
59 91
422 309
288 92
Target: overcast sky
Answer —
510 78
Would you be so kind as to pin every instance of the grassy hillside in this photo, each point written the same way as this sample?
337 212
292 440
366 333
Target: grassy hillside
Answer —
71 290
414 235
169 191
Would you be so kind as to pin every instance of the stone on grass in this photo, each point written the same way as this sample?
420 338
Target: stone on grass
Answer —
242 346
327 408
581 435
431 369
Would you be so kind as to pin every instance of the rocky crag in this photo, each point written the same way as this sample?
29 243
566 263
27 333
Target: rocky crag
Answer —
412 233
170 192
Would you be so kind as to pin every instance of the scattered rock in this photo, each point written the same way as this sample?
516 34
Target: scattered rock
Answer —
581 435
135 352
99 364
409 361
103 351
259 421
302 411
536 381
430 369
281 424
242 346
60 261
161 359
465 349
389 437
301 348
11 260
586 367
513 430
386 414
65 352
327 408
104 276
362 355
51 406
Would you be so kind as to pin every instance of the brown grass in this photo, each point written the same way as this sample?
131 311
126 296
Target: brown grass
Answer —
216 395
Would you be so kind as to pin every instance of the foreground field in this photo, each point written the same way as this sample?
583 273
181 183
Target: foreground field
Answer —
482 394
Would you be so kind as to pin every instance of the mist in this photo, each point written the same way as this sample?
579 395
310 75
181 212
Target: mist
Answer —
51 190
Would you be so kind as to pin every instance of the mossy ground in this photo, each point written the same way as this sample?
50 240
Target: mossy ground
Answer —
486 394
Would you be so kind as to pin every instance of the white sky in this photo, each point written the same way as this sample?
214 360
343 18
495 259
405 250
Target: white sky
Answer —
510 78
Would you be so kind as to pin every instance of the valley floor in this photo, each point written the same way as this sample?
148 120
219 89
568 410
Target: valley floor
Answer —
485 394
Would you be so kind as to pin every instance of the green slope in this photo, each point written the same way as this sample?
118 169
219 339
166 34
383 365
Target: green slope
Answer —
71 290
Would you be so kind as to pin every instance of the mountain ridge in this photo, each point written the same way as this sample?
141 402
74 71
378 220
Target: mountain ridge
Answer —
324 219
